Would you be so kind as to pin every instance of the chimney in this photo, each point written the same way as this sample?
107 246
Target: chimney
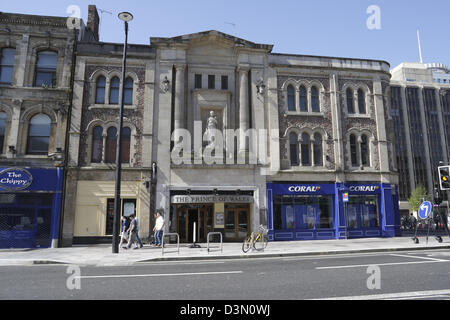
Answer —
93 21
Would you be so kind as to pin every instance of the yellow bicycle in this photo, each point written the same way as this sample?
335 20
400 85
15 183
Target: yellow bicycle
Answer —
259 237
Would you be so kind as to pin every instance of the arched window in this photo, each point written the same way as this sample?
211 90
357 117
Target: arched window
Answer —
7 65
361 101
97 144
46 69
111 145
291 98
293 147
100 90
353 150
315 104
2 130
306 157
303 99
350 103
128 91
114 89
364 151
317 149
126 139
39 135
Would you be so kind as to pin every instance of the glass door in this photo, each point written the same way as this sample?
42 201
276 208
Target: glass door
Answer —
230 224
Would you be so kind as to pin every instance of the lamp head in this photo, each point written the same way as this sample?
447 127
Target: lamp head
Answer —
125 16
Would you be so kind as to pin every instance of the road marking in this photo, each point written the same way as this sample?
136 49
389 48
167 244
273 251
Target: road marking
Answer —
160 275
389 296
417 257
157 263
379 264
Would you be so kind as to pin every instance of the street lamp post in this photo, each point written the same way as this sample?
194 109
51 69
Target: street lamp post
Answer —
125 17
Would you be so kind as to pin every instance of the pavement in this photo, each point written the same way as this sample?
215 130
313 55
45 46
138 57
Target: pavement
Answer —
101 255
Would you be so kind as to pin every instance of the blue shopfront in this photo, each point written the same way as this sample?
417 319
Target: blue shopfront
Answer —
30 207
331 211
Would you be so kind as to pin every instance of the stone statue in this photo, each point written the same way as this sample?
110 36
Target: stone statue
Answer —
211 127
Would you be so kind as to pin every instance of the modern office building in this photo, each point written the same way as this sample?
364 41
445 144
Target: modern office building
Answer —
420 106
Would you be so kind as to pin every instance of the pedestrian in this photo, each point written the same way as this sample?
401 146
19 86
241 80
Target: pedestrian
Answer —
124 230
132 233
413 221
137 232
158 229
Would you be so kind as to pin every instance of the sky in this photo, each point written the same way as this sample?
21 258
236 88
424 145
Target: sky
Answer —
313 27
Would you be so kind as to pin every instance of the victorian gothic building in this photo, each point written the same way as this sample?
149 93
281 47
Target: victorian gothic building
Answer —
222 134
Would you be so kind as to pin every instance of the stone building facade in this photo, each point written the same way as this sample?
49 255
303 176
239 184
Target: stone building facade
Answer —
36 67
89 202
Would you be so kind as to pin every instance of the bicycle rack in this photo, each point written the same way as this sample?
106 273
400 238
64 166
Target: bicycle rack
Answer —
168 235
212 234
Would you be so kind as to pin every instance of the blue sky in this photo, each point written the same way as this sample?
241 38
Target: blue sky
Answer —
326 27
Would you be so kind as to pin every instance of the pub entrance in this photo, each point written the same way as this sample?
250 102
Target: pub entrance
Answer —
202 215
236 222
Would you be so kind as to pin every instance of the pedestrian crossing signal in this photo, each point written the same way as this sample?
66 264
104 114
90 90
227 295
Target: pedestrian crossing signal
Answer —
444 177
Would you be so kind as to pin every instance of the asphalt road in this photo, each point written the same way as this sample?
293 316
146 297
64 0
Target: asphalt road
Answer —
392 275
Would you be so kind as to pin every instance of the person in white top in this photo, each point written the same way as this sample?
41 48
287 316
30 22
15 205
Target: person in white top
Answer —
158 229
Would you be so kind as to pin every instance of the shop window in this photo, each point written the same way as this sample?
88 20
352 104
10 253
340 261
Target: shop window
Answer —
128 207
363 212
7 65
46 69
303 212
114 91
2 130
100 90
111 145
306 156
303 99
97 145
293 148
39 135
128 91
315 104
350 103
291 98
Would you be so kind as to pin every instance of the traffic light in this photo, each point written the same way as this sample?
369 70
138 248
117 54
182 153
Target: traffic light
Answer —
437 195
444 177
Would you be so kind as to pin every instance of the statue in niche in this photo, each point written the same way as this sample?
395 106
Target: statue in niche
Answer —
211 127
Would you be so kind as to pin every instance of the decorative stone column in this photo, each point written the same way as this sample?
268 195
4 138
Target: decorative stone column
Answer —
179 96
243 108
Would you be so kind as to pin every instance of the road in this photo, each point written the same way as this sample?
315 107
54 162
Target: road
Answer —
391 275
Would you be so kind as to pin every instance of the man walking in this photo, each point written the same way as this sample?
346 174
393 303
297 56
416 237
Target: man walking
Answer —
133 232
158 229
137 232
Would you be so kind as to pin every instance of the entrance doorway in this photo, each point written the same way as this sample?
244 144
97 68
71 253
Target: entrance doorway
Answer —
237 222
201 215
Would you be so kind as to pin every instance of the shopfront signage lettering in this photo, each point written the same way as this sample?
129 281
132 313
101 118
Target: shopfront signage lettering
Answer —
304 189
15 179
363 188
211 199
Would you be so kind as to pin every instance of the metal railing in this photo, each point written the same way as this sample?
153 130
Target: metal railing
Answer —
168 235
212 234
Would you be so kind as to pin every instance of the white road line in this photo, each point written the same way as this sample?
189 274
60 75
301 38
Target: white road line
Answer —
425 258
389 296
160 275
379 264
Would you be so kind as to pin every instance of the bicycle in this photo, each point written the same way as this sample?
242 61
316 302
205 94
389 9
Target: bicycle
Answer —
256 237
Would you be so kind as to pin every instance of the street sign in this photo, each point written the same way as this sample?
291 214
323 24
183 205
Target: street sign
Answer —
425 210
345 196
